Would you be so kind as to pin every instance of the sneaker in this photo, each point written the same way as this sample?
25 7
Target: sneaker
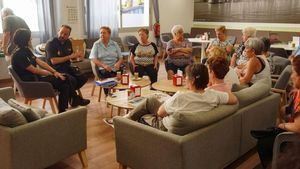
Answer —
109 121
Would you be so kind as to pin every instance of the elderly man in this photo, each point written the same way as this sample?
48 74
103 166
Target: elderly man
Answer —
10 23
59 54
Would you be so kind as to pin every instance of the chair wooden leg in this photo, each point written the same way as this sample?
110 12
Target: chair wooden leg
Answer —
44 103
100 92
79 93
83 159
121 166
93 89
26 101
52 104
111 110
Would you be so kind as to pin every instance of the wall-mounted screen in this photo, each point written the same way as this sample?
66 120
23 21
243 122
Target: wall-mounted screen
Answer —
259 11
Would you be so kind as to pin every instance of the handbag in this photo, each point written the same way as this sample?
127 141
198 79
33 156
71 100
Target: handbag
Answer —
75 70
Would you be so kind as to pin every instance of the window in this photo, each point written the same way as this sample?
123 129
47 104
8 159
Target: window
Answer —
26 9
134 13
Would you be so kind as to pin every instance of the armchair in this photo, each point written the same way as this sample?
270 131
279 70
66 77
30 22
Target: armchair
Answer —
282 138
43 142
34 90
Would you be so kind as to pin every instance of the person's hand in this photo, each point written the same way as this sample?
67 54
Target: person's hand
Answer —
117 66
80 55
155 67
72 56
59 75
107 68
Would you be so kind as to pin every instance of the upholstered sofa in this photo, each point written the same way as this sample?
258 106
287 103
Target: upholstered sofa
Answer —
43 142
209 140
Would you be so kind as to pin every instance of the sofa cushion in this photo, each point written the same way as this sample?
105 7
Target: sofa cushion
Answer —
251 94
9 116
29 112
184 123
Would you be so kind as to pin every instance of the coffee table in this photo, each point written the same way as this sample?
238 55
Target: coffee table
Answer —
143 82
168 87
120 100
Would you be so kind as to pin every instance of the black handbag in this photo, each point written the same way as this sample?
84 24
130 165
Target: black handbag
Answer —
75 70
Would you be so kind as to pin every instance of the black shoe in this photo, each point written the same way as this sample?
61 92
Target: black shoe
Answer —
84 102
75 101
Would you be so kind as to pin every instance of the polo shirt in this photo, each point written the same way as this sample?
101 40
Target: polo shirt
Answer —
108 55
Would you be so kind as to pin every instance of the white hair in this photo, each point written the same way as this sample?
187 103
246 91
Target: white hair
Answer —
6 12
249 32
256 44
176 29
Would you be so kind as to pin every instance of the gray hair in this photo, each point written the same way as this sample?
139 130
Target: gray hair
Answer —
256 44
6 12
249 31
176 29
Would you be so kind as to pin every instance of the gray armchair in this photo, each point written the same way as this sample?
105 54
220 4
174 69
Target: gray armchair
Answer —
44 142
34 90
282 138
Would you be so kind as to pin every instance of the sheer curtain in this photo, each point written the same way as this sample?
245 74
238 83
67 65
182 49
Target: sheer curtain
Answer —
102 13
46 20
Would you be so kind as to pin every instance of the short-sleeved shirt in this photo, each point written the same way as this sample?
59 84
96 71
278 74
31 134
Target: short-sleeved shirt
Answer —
54 48
144 54
21 59
179 61
108 55
221 44
296 52
191 102
10 24
241 59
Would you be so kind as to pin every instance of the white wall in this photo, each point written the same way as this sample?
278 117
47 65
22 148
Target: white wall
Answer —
173 12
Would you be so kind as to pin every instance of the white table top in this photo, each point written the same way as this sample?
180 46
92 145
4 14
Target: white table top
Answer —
198 40
284 46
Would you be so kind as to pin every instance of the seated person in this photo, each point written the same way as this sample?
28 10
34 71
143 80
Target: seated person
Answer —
144 56
265 144
24 63
195 100
106 54
179 52
59 54
220 65
221 41
238 59
257 67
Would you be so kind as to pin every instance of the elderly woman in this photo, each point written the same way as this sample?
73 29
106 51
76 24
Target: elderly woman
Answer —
265 144
257 67
221 40
144 56
106 54
179 52
220 65
197 99
25 64
238 59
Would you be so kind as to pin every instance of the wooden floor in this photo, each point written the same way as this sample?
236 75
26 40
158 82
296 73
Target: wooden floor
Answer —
100 137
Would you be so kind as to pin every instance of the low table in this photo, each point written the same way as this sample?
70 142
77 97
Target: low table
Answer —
167 86
143 82
120 100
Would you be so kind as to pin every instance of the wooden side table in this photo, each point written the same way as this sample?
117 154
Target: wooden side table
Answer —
167 86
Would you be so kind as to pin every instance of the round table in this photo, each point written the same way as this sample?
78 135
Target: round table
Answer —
120 100
167 86
143 82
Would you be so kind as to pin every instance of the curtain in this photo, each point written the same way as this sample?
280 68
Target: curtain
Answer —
102 13
156 10
46 20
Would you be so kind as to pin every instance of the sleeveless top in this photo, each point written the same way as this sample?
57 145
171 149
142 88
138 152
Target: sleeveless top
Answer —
264 73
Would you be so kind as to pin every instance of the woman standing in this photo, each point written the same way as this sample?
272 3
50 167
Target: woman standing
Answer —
144 58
